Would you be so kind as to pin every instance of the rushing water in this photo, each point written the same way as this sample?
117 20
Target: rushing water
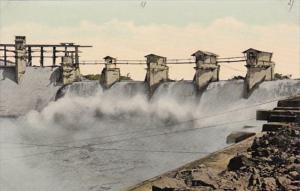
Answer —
95 139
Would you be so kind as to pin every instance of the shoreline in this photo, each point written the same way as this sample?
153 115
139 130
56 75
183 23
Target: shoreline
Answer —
262 161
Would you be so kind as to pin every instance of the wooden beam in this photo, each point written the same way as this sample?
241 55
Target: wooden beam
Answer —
228 61
48 45
29 56
76 56
72 56
54 56
8 45
42 56
66 49
7 50
5 56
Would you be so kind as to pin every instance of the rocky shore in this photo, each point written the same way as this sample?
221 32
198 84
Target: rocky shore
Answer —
271 163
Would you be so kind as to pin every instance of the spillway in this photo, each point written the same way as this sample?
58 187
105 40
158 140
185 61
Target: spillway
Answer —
95 139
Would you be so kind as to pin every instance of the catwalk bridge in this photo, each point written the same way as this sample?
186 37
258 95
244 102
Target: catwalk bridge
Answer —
169 61
55 51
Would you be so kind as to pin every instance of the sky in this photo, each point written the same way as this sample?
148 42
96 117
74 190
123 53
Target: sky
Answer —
175 29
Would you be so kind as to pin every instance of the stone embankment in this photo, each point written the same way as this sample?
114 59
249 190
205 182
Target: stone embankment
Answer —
268 161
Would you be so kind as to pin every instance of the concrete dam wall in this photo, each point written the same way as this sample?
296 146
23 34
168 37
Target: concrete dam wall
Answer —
41 85
37 88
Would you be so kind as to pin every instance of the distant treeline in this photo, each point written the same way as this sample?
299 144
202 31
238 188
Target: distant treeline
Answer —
277 76
98 77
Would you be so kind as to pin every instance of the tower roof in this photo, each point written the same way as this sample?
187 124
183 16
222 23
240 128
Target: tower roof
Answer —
154 55
254 50
108 58
200 52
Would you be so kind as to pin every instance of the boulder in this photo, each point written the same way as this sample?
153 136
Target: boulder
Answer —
239 136
239 161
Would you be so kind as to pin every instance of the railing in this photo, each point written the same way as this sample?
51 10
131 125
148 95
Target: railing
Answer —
137 62
169 61
231 59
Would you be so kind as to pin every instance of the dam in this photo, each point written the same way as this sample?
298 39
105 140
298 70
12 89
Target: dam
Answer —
41 83
81 134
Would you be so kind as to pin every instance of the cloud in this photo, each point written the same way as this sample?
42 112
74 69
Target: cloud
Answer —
127 40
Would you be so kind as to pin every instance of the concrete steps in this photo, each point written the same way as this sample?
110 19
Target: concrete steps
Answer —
286 114
293 102
274 126
287 108
282 118
265 115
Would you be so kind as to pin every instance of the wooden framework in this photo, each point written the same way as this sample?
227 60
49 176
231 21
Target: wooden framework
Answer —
56 51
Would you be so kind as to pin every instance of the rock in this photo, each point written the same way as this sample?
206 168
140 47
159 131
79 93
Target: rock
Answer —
261 152
296 183
291 159
294 174
254 179
155 188
184 174
239 161
269 184
295 133
202 166
204 179
283 182
294 167
202 183
255 144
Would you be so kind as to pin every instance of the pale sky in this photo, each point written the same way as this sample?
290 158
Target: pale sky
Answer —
175 29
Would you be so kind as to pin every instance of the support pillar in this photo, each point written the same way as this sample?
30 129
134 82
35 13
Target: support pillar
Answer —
29 56
20 57
207 69
5 56
66 50
42 57
110 73
54 56
157 71
259 68
70 71
76 55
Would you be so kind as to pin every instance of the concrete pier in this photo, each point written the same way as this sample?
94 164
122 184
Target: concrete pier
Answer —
157 71
70 70
259 68
20 56
207 69
110 73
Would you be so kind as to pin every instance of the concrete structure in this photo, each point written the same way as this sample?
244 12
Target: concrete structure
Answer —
157 71
20 57
207 69
259 68
37 88
110 73
70 70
